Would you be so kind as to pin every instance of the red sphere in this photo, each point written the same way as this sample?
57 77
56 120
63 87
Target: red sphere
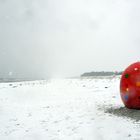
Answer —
130 86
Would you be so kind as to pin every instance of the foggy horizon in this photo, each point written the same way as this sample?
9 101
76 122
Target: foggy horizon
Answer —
50 38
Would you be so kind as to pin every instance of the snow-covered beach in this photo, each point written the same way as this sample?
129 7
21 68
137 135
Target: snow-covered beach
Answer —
66 109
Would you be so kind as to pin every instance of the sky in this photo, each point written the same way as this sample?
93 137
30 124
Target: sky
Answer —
50 38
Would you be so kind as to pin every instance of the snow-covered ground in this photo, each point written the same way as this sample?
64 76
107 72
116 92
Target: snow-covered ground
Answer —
66 109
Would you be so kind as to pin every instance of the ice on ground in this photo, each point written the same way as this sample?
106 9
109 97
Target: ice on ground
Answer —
66 109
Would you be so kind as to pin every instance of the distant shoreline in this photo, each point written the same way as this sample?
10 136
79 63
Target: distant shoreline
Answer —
8 80
100 73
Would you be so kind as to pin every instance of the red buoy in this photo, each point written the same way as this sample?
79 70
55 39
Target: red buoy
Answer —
130 86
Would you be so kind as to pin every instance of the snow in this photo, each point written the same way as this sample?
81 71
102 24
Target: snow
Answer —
66 109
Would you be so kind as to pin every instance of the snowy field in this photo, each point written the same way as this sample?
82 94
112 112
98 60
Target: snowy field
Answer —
66 109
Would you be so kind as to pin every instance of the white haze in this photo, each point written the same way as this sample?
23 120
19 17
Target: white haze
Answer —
41 38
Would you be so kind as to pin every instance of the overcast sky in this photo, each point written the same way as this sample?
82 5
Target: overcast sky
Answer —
40 38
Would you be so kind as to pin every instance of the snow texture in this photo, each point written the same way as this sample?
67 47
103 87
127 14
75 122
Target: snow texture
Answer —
66 109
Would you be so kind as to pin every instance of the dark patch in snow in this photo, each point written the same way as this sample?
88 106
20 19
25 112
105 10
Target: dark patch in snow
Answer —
46 107
14 86
124 112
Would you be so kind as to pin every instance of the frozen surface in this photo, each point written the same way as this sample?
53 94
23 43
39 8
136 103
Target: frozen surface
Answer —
66 109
